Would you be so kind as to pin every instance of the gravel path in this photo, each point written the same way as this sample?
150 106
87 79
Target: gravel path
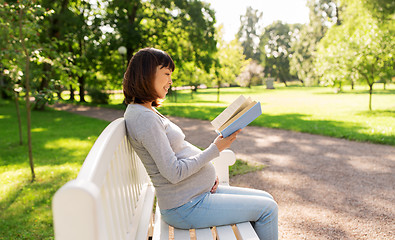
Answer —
326 188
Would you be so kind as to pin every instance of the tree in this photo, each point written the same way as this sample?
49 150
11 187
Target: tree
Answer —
248 34
323 13
275 45
382 10
74 28
22 22
362 47
251 75
185 29
230 61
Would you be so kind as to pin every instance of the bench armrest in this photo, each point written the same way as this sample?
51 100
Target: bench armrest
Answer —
77 212
226 158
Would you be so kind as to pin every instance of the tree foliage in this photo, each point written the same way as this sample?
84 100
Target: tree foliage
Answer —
248 34
275 45
251 75
362 48
82 40
323 14
230 60
185 29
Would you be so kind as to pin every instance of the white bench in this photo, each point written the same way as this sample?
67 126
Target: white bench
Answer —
113 197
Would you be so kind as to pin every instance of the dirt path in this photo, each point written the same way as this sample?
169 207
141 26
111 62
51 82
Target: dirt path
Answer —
326 188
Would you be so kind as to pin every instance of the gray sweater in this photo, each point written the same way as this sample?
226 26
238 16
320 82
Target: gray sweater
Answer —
178 170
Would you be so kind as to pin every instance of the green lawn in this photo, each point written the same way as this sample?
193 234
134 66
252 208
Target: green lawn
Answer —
316 110
61 142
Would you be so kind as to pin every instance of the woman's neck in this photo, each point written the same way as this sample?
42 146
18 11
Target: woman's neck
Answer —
147 105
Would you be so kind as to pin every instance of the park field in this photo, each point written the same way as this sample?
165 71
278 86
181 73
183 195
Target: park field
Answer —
60 143
316 110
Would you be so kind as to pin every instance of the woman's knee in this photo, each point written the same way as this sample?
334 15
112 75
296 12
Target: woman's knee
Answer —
269 209
272 207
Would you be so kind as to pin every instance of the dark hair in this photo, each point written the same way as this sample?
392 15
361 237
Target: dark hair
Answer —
138 81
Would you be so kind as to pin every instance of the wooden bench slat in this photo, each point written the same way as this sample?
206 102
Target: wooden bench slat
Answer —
245 231
180 234
225 233
204 234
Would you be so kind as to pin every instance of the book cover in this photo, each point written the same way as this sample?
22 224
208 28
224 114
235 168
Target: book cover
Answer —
235 107
240 119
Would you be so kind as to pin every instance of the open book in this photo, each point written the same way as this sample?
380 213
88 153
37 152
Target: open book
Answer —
237 115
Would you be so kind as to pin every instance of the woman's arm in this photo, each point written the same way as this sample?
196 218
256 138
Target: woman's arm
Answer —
152 135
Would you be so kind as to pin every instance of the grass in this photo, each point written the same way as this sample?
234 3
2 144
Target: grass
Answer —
61 142
242 167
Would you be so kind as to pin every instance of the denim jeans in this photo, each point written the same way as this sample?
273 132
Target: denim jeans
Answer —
229 205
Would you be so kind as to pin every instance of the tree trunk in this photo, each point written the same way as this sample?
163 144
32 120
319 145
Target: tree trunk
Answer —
81 81
18 114
219 87
72 96
284 81
27 86
370 96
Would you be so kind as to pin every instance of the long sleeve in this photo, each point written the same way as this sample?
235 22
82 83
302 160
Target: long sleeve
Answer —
152 135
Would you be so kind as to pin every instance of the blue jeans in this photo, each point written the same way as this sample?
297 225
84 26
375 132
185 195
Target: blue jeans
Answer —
229 205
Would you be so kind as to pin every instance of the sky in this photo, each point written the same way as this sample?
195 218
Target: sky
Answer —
228 12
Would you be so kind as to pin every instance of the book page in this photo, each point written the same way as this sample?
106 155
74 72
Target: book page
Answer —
228 112
234 118
241 108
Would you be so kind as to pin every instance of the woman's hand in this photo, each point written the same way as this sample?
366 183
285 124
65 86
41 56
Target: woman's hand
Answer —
224 143
214 188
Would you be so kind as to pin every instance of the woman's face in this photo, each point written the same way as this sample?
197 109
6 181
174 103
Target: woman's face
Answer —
162 81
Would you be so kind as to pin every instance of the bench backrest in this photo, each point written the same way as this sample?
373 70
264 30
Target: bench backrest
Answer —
112 197
107 198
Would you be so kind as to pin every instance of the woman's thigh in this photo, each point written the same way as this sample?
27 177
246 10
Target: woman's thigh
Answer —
226 206
242 191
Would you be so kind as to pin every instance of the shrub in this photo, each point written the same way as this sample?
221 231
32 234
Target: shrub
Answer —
98 96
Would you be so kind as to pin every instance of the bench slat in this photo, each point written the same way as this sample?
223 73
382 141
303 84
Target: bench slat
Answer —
181 234
245 231
225 233
204 234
